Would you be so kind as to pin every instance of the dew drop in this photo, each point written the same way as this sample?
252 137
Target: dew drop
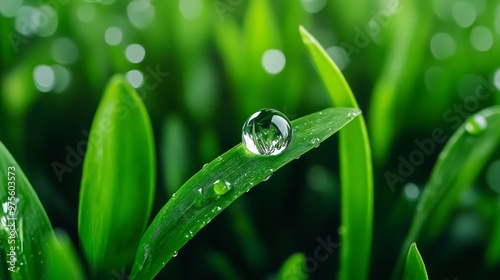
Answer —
315 141
221 187
175 254
267 132
475 124
268 177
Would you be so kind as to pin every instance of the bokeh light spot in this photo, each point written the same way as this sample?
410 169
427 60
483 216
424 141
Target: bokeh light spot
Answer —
339 55
44 78
464 13
135 53
64 51
113 36
191 9
481 38
135 78
442 46
273 61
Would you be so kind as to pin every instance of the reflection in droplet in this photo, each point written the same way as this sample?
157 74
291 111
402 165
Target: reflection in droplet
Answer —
267 132
481 38
135 53
140 13
190 9
442 46
44 78
339 55
464 13
113 36
135 78
64 51
313 6
86 12
273 61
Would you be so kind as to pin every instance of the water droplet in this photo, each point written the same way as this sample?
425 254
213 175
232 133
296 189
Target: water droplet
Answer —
315 141
173 195
475 124
267 132
221 187
354 114
267 178
205 165
175 254
297 157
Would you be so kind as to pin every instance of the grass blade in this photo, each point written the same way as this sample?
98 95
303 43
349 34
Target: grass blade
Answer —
22 216
355 170
118 179
197 202
415 267
459 163
63 262
293 268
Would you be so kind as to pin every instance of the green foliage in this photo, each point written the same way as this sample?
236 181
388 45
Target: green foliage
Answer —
63 262
25 232
199 200
118 179
356 170
458 165
293 268
415 267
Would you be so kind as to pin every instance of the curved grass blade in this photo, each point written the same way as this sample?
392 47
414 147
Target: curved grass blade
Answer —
118 179
415 267
24 226
63 262
293 268
458 165
220 183
355 170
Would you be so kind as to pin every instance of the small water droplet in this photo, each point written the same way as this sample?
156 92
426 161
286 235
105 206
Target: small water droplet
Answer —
247 190
175 254
315 141
268 177
267 132
297 157
354 114
173 195
476 124
205 165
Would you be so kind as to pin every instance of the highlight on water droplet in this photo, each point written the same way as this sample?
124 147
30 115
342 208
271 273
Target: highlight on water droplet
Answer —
476 124
267 132
268 177
175 254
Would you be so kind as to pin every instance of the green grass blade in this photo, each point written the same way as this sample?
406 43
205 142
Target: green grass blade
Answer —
355 170
118 179
197 202
458 165
293 268
23 215
415 267
63 262
492 254
222 266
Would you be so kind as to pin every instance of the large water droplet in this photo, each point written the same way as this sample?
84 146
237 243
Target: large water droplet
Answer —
475 124
221 187
267 132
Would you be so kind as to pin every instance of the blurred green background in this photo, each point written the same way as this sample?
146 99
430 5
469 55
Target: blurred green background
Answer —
202 67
